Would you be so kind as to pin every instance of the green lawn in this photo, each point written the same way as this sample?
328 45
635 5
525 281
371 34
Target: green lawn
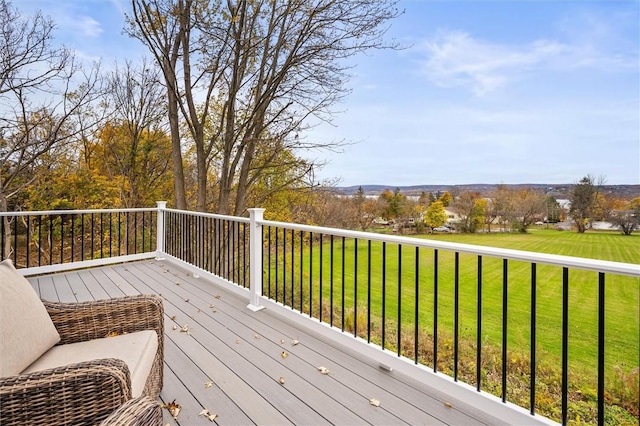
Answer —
622 297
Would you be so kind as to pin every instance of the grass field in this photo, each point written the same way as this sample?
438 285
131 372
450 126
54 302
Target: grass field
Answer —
622 350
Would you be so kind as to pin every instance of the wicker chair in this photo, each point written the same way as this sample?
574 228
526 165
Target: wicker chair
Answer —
89 392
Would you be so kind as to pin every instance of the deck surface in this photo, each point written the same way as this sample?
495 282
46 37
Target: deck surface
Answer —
231 360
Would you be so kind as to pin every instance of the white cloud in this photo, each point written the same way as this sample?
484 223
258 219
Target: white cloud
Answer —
455 58
87 26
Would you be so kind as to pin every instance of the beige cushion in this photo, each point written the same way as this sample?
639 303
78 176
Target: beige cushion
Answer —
138 350
26 330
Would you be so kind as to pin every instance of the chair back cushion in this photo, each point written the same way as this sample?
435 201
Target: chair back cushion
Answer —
26 330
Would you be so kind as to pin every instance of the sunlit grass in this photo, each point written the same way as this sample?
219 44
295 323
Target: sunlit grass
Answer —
396 278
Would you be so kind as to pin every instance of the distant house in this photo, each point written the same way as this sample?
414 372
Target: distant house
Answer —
452 217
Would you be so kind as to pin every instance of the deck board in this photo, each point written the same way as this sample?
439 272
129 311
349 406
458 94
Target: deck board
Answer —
240 352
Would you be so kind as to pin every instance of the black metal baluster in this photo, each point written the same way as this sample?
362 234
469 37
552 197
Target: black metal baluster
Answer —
50 239
101 239
368 291
301 262
456 314
320 283
416 318
119 234
505 281
342 283
284 267
39 239
61 239
73 237
355 288
135 232
144 231
110 235
601 337
565 343
311 274
384 291
331 282
399 299
269 261
277 265
532 357
293 268
435 310
479 328
28 240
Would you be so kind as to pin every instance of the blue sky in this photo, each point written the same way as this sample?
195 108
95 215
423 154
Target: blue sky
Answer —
483 91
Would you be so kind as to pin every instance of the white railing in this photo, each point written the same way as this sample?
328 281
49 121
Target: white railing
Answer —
381 291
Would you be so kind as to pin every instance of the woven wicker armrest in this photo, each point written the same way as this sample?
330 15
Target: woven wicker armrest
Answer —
141 411
77 322
83 321
83 393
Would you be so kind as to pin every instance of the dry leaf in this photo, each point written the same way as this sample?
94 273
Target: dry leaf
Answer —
323 370
173 408
177 283
173 317
284 354
282 341
185 328
294 342
448 404
175 327
112 334
256 336
237 341
186 300
206 413
208 385
281 380
217 296
374 402
211 306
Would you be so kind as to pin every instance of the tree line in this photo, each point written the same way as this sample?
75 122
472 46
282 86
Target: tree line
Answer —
213 120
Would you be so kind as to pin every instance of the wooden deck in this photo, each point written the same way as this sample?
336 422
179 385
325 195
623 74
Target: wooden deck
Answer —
231 360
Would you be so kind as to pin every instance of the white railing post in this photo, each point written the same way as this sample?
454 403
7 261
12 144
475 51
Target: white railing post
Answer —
162 205
255 259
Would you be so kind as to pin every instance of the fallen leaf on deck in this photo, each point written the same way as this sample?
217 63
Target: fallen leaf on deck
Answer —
237 341
175 327
323 370
177 283
186 300
282 341
208 385
206 413
185 328
173 317
112 334
284 354
281 380
217 296
173 408
374 402
448 404
211 306
294 342
256 336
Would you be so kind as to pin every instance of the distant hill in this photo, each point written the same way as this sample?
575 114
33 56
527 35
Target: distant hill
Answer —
557 190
